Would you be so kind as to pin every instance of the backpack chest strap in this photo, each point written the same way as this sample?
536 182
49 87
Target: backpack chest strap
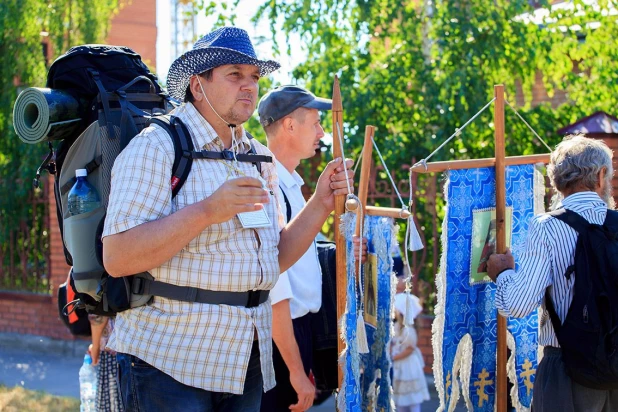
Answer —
229 155
185 153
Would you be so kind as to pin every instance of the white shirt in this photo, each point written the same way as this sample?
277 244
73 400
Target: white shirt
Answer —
550 250
302 283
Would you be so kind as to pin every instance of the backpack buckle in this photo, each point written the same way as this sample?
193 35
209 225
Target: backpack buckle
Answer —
253 298
227 154
137 287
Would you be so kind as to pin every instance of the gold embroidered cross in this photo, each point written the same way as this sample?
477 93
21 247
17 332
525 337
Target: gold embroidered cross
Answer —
448 385
481 383
526 375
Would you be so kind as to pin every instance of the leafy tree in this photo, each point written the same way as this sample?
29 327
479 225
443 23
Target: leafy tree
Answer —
26 27
419 69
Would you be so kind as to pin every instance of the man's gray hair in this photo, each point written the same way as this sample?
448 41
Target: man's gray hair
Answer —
577 161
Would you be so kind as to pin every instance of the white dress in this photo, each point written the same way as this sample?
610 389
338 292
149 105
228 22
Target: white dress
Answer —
409 383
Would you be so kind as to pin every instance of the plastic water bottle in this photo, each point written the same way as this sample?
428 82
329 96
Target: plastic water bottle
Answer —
87 385
82 197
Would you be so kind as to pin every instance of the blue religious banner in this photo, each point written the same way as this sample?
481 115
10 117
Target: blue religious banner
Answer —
465 328
366 383
349 397
377 299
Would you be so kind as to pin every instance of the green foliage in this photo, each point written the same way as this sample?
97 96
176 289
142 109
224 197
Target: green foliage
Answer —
418 70
25 25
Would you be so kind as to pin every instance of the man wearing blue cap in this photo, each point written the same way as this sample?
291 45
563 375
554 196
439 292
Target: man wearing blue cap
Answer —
221 240
291 119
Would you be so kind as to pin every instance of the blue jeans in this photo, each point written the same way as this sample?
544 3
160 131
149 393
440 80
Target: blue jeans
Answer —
145 388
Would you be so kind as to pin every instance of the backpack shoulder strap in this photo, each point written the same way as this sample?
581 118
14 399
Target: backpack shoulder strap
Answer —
553 315
96 78
288 206
258 165
611 220
183 147
573 219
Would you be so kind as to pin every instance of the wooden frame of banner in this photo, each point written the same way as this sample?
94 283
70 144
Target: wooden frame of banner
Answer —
500 162
340 203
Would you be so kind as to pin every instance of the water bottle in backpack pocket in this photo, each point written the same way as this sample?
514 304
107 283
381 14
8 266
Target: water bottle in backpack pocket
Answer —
84 218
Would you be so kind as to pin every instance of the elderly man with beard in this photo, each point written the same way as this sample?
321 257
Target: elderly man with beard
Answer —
580 172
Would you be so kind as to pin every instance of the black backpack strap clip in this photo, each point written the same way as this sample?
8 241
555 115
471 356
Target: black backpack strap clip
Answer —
48 164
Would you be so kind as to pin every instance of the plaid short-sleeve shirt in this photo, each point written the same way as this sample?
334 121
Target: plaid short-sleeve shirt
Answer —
201 345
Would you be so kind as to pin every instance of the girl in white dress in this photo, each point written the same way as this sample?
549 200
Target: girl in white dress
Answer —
409 383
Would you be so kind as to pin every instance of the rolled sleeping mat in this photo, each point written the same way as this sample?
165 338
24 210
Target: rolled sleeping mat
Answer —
42 114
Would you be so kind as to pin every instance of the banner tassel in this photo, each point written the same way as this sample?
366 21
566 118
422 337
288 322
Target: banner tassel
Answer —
361 334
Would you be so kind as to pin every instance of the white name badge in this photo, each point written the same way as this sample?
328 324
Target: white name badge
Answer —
250 220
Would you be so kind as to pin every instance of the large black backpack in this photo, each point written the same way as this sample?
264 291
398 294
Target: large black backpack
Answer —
589 335
118 98
115 89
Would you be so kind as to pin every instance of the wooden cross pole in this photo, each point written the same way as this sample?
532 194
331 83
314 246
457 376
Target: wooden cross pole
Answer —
337 113
501 379
340 204
500 161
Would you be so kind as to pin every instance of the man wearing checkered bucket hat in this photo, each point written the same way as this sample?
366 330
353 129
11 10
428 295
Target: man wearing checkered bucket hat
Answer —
221 240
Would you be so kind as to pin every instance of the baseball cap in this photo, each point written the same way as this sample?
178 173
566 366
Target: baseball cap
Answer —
283 100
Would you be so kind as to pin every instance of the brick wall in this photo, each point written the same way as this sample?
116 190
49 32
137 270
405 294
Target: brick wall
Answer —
539 94
423 330
29 313
612 143
135 26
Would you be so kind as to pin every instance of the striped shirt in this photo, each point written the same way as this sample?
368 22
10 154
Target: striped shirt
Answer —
550 250
201 345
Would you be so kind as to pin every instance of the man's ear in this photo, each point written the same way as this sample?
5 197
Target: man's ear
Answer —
195 88
601 176
288 125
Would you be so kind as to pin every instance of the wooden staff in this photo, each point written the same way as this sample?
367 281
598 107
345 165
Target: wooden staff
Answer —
351 204
501 378
337 112
476 163
387 212
363 185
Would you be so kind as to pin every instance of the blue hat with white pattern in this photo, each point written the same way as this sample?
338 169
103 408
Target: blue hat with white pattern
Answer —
227 45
